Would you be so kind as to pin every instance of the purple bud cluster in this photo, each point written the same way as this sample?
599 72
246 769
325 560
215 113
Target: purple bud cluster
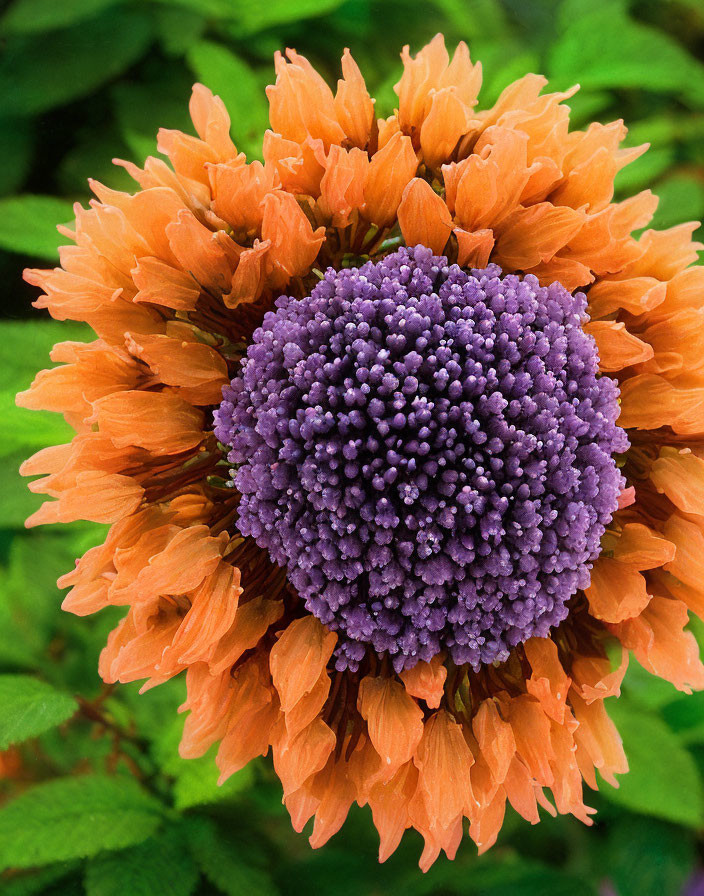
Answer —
429 453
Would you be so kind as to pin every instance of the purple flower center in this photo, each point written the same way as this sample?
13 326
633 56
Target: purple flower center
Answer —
429 453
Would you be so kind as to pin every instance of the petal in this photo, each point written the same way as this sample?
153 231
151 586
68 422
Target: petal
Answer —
394 720
495 739
617 347
679 474
548 682
353 105
447 120
426 681
474 249
443 760
661 645
423 217
390 171
297 758
617 591
298 658
593 678
639 546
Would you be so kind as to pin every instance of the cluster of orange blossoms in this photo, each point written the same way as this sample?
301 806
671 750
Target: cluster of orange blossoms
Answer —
174 278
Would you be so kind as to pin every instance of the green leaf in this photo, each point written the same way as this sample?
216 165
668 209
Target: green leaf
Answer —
28 224
646 689
681 199
647 857
663 780
160 866
221 864
16 153
685 716
602 47
31 16
254 17
525 878
39 72
238 87
72 817
29 884
29 707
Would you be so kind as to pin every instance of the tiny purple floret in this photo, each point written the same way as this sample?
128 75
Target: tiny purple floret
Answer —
429 452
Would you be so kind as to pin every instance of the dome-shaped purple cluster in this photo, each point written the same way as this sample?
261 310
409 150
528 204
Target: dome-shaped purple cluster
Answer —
429 453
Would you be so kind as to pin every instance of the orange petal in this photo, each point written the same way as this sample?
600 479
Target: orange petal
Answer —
254 711
213 608
211 121
298 658
536 234
251 622
420 76
390 171
301 103
209 700
485 826
249 277
294 244
161 284
301 805
617 591
598 738
183 363
661 645
336 793
443 760
636 295
495 739
639 546
570 273
296 759
423 217
97 497
679 474
187 559
664 253
426 681
594 679
156 421
201 252
520 791
341 189
617 347
486 186
446 122
473 249
238 191
353 105
649 401
531 728
309 706
389 805
394 719
688 538
548 682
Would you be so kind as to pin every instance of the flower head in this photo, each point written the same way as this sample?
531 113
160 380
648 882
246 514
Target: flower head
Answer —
429 453
461 469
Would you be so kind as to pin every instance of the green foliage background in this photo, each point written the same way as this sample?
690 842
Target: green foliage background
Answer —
93 796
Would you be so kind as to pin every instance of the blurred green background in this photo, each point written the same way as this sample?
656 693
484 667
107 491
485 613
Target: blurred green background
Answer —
93 796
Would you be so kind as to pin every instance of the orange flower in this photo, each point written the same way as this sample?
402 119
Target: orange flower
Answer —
175 279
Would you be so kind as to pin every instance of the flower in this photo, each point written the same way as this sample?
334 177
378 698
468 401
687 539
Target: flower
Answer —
352 415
